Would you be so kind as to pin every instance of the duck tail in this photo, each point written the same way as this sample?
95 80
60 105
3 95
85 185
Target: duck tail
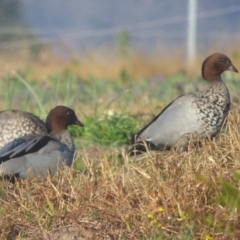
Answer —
139 146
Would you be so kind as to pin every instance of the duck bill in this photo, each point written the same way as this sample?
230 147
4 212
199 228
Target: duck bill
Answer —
232 68
80 124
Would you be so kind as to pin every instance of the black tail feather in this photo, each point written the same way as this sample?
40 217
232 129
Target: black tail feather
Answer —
141 147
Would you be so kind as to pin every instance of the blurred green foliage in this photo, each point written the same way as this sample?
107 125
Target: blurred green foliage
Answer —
107 130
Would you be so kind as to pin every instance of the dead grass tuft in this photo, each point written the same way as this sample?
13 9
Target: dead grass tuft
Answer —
160 195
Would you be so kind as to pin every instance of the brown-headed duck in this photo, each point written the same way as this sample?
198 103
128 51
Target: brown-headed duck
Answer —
190 116
34 155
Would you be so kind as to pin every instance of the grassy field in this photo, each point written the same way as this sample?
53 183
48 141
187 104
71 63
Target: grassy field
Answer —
158 195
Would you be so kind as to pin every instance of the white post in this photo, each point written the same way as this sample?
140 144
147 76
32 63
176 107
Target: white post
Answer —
191 31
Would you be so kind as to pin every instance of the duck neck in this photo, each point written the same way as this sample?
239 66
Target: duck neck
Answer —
216 82
218 89
209 75
65 138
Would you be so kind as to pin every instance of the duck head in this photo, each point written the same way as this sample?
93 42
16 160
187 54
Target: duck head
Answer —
60 117
214 65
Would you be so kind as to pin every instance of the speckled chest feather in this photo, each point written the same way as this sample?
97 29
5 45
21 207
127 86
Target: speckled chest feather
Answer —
213 106
13 128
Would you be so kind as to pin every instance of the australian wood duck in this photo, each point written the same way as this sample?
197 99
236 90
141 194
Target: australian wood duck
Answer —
16 123
190 116
34 155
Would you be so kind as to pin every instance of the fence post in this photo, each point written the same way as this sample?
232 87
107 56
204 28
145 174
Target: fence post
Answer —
191 31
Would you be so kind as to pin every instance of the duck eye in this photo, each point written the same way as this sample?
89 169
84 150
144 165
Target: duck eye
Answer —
68 113
221 60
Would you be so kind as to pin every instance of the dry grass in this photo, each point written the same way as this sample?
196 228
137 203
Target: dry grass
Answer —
157 196
104 64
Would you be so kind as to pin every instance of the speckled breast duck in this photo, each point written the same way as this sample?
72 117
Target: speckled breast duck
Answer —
190 116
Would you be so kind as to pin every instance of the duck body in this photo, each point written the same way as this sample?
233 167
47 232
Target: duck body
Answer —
190 116
16 123
33 156
191 113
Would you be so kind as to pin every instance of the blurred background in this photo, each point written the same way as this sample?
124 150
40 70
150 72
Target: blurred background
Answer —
146 37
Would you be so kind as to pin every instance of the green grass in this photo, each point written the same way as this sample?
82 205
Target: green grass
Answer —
107 130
